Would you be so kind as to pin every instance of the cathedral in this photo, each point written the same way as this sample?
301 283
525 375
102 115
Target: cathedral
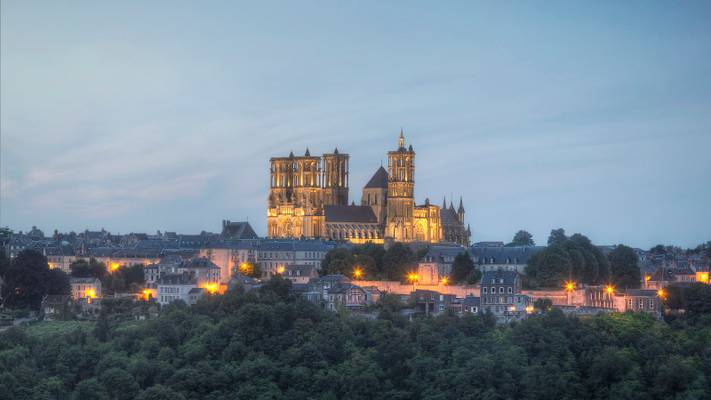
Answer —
308 198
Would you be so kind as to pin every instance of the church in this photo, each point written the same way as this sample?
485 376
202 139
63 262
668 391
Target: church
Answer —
308 198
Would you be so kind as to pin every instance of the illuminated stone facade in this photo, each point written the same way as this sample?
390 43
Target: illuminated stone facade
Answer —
308 198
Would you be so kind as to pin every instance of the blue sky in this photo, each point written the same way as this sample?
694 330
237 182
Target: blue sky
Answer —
594 117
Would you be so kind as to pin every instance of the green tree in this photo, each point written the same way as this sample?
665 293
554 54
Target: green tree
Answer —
90 389
522 238
119 384
337 261
557 237
91 269
463 270
543 304
397 261
160 392
29 279
624 267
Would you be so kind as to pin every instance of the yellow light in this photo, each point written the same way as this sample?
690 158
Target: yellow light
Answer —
647 278
412 277
357 273
445 280
610 289
569 286
211 288
280 269
147 294
529 309
91 293
661 293
114 266
702 277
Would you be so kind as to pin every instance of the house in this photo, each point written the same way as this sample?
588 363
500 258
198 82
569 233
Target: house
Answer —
317 291
248 283
85 289
300 273
507 258
173 287
500 293
238 230
471 304
346 295
56 308
201 270
274 256
443 257
432 302
640 300
195 294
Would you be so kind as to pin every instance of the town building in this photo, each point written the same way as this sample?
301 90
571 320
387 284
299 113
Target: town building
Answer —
507 258
308 198
501 293
85 289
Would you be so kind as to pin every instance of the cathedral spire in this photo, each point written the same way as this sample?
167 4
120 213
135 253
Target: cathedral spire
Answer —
307 154
402 140
444 203
461 205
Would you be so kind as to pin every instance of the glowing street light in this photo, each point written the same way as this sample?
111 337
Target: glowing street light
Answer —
661 294
412 277
114 266
280 269
610 289
211 288
569 286
529 309
91 293
357 273
244 268
146 294
445 281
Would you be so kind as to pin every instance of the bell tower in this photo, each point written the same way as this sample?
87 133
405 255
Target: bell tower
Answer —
401 192
335 179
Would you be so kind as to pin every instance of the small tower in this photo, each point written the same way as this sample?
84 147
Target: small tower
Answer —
335 178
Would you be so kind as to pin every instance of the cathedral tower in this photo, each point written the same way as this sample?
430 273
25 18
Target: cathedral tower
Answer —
401 192
335 179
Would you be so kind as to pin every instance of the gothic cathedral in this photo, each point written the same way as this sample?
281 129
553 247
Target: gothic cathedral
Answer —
308 198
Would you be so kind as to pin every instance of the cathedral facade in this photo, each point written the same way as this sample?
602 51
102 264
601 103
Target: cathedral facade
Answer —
308 198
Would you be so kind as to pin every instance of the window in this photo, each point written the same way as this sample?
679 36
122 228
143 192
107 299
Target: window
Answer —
485 289
501 289
509 290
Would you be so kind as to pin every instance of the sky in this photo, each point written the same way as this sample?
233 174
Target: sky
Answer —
143 116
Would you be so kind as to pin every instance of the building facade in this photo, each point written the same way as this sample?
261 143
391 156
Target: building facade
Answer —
308 198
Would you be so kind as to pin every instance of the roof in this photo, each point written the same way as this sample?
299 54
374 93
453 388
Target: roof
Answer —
471 301
294 245
89 280
196 290
509 277
448 216
238 230
175 279
504 255
343 288
357 214
641 293
379 179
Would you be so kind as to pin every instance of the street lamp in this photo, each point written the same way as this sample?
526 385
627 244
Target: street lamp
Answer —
445 281
569 286
413 278
610 289
357 273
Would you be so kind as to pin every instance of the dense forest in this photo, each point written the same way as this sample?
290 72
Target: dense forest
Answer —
264 344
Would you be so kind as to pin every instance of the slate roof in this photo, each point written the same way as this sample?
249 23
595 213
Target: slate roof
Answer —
516 255
641 292
471 301
509 277
238 230
350 214
448 216
379 179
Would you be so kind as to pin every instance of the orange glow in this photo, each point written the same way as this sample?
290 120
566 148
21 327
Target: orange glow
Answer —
445 280
702 277
146 294
610 289
529 309
245 268
212 288
661 293
280 269
114 266
91 293
647 278
569 286
413 277
357 273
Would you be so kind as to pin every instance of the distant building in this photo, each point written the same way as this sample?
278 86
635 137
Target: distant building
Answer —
432 302
501 293
56 308
238 230
85 289
173 287
346 295
507 258
300 273
276 255
471 304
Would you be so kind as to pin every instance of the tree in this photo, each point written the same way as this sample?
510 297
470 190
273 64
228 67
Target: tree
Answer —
557 237
89 389
29 279
397 261
337 261
543 304
522 238
624 267
91 269
160 392
462 269
119 384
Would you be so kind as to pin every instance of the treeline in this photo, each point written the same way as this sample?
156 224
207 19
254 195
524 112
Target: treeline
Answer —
128 278
372 260
265 344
